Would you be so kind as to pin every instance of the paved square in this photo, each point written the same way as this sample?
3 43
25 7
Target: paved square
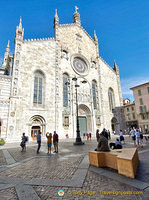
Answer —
27 175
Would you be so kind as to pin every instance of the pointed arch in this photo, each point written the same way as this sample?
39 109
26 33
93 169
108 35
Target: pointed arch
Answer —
95 93
65 89
39 87
111 99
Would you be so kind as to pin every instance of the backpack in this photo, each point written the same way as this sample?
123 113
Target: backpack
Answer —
26 138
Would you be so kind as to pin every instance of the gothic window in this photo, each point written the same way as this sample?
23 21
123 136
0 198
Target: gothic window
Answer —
38 87
95 93
65 90
93 65
111 99
65 54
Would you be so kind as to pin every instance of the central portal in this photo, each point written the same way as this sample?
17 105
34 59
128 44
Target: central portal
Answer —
85 120
83 125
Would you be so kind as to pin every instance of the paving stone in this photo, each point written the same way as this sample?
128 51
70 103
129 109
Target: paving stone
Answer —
44 174
2 158
26 192
8 194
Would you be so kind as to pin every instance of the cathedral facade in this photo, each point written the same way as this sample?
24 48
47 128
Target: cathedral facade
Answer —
45 80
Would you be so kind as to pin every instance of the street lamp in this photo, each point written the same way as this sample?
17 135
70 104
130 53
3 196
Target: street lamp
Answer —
78 137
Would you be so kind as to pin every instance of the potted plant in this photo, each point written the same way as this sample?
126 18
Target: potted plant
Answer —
2 141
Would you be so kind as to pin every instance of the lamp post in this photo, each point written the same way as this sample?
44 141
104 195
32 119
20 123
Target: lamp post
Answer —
78 137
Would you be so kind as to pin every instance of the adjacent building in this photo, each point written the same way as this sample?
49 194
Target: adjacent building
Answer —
141 97
38 85
130 113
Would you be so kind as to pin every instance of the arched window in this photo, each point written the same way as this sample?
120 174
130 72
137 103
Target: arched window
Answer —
38 87
65 90
111 98
95 93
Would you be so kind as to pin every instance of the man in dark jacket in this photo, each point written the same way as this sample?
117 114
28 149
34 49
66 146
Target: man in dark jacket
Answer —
38 141
105 133
102 144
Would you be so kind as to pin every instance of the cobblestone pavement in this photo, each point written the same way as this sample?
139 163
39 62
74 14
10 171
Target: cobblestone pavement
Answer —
2 159
40 176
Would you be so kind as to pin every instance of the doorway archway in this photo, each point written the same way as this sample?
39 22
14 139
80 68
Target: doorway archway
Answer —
85 120
114 124
37 125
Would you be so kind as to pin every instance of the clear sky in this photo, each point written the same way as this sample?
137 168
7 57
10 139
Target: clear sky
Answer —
122 28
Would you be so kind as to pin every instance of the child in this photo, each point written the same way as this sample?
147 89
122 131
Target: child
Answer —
49 141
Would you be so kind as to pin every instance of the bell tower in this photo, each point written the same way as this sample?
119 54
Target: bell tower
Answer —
76 17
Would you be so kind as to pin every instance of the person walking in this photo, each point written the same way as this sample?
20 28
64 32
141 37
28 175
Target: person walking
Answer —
121 136
55 142
138 138
38 141
133 136
49 141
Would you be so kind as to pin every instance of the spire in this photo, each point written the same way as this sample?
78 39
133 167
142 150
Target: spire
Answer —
6 55
115 68
7 48
19 31
20 24
95 37
56 19
76 17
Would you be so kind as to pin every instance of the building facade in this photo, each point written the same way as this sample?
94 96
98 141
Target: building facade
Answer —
43 75
130 114
141 97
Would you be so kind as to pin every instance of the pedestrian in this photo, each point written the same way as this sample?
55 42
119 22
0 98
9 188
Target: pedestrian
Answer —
97 134
87 135
109 136
133 136
39 141
104 133
49 141
121 136
83 135
55 142
23 142
90 135
141 139
138 138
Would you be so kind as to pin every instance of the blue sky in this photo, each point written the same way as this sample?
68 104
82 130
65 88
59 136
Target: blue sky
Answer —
122 28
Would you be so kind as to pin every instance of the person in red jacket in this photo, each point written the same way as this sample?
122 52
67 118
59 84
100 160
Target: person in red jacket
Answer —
55 142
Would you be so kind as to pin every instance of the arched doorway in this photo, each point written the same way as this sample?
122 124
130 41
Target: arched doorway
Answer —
37 125
85 121
34 132
114 124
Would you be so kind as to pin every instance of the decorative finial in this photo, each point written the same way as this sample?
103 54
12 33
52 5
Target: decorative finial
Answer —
95 37
76 17
20 24
8 44
56 12
115 67
76 8
56 19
